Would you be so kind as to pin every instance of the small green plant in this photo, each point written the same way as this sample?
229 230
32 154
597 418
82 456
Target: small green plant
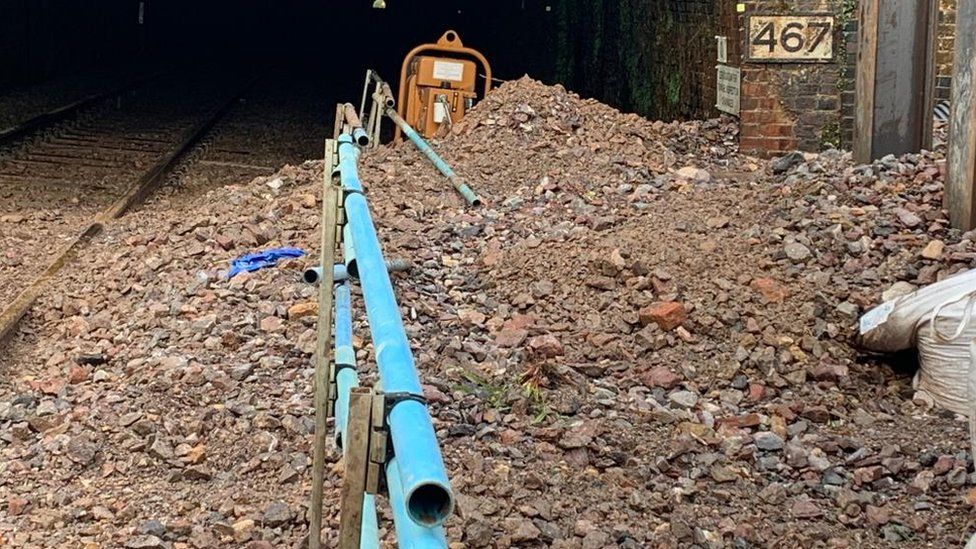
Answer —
537 402
830 136
493 394
674 89
532 390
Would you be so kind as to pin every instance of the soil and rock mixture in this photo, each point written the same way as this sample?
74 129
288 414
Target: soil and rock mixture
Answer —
643 339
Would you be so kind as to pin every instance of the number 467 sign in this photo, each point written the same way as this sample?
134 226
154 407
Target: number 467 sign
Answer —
790 38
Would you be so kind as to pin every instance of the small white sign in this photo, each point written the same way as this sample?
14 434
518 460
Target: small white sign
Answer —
447 70
722 43
728 89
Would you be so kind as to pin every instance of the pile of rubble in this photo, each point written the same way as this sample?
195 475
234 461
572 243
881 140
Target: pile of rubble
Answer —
643 339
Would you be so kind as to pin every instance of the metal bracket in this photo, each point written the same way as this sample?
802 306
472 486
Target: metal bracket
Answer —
331 155
379 447
375 118
356 460
364 456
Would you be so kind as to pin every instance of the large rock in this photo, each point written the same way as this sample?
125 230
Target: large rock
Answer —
661 376
668 315
547 346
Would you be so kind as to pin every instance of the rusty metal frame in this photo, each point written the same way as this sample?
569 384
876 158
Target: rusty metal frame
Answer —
444 45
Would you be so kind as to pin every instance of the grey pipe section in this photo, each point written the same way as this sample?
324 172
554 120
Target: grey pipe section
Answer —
469 195
385 92
352 119
313 275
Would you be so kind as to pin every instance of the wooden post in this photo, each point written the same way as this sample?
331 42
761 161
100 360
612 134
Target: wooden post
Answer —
323 345
375 119
339 122
867 56
961 160
355 449
895 78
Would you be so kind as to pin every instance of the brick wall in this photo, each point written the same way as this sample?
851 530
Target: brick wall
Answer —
847 73
944 49
789 106
656 58
808 107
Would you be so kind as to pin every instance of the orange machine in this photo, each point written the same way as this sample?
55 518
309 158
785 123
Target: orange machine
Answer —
437 90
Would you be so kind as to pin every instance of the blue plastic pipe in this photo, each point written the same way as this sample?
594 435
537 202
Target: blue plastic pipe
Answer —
426 488
345 358
409 534
349 252
369 537
469 196
362 138
346 379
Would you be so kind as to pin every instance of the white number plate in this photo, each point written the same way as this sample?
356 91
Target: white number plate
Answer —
790 38
446 70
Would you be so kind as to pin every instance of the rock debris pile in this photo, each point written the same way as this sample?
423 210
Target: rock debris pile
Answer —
643 339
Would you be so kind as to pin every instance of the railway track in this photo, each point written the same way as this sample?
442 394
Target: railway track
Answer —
26 127
61 183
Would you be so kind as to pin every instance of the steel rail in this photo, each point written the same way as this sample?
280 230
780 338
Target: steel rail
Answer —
66 111
135 194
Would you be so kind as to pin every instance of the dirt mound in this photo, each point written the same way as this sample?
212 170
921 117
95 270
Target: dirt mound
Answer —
642 340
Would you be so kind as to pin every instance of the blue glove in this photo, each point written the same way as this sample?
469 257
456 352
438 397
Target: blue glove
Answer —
260 260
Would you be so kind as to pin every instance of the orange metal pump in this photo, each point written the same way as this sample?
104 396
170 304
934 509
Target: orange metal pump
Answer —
436 91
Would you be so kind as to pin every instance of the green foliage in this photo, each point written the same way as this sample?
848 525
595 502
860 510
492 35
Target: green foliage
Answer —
495 395
830 136
674 88
537 402
636 54
845 13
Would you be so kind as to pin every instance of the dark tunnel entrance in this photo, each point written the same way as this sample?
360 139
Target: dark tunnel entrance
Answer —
336 41
633 55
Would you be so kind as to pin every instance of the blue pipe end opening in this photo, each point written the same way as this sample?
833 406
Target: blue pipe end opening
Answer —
430 504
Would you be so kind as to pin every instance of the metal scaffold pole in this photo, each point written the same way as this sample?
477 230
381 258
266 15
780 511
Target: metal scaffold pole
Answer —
323 344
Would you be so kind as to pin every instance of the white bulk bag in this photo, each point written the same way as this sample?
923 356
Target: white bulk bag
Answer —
945 354
892 326
937 320
972 399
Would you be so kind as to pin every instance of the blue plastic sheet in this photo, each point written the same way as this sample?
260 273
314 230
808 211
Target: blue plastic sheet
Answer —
262 259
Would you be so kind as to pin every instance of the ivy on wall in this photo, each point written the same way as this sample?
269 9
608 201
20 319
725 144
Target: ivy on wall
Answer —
653 57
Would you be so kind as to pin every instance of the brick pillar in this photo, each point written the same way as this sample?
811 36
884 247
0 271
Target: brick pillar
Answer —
767 128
